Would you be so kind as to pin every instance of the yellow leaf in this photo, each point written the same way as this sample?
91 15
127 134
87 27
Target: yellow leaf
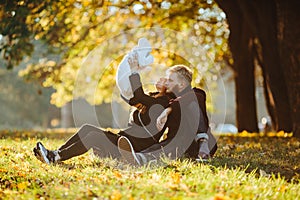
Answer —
3 170
117 174
21 174
282 188
243 134
116 195
280 134
220 197
22 185
271 134
85 3
176 178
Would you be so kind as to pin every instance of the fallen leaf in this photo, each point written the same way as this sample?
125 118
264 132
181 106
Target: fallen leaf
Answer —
176 178
117 174
220 197
116 195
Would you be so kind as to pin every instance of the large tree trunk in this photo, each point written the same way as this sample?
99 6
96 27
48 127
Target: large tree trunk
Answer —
262 18
289 43
245 88
241 46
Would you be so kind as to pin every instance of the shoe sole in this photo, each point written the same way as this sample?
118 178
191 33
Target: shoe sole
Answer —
202 160
42 153
126 150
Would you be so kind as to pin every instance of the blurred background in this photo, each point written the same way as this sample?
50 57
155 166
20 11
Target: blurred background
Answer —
59 59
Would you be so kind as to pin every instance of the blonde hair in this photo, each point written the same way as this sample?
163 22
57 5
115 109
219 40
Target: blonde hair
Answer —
183 71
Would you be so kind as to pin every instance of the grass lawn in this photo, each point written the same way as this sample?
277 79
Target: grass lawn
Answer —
245 167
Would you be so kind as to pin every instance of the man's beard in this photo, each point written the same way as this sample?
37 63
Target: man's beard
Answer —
174 90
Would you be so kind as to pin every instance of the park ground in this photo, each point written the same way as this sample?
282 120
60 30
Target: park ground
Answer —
246 166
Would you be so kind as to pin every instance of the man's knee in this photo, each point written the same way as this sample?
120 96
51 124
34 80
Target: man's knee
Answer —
87 126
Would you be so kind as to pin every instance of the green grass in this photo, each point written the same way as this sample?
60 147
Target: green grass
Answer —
244 168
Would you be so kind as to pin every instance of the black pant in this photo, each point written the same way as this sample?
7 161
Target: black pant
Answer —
104 143
182 145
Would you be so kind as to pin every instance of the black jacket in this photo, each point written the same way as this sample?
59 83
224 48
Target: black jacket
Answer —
188 117
142 131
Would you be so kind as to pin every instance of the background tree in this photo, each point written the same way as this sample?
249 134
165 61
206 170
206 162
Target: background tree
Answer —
266 29
75 28
23 105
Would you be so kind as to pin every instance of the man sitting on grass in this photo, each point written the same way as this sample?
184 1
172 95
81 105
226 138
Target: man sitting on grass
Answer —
187 122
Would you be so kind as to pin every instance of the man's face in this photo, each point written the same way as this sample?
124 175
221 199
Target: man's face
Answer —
173 82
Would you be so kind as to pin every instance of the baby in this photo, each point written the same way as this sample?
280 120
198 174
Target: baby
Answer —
142 51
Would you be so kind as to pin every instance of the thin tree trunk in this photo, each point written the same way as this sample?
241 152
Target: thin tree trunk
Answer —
67 120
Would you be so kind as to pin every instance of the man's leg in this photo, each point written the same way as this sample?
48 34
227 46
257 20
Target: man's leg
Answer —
172 149
127 151
154 153
212 143
203 148
139 138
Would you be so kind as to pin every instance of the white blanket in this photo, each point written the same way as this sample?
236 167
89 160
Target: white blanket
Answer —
143 50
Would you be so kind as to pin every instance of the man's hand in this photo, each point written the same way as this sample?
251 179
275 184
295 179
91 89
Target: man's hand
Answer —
162 119
133 62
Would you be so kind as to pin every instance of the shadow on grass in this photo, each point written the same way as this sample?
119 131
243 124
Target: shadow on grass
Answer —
279 156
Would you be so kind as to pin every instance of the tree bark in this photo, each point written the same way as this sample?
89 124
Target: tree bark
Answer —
261 15
241 46
289 45
245 83
275 23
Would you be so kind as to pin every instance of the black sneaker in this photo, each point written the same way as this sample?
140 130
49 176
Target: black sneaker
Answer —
37 154
126 150
44 154
203 155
